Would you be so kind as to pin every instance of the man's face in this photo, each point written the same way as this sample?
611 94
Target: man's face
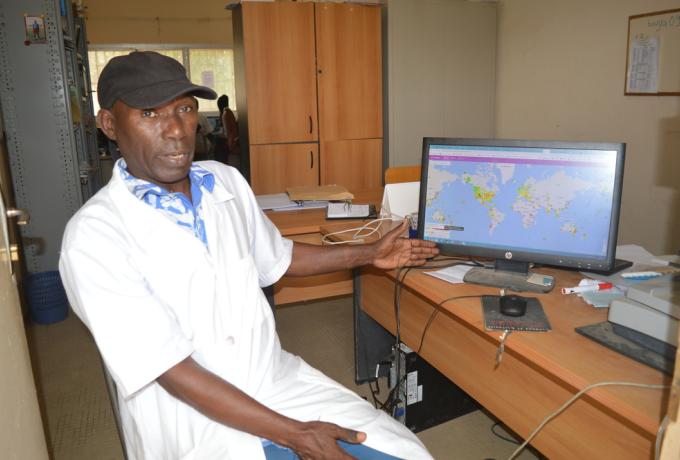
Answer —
158 143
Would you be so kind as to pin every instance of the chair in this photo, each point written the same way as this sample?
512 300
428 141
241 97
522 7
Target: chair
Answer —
400 174
113 396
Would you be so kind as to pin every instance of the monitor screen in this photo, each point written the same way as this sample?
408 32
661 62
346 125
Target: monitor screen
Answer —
548 202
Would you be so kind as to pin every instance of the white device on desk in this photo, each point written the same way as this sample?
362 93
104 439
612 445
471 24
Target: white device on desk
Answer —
400 200
651 307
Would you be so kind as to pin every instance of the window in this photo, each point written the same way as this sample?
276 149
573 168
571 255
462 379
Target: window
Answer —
212 67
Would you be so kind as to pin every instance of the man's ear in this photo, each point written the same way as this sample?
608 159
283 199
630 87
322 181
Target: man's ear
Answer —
107 123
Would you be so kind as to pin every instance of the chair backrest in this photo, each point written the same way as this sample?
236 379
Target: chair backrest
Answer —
399 174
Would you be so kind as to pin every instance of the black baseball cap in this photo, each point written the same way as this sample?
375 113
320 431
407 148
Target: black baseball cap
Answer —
144 80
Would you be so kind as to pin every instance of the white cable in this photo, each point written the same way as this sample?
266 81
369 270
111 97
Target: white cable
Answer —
574 398
660 433
358 237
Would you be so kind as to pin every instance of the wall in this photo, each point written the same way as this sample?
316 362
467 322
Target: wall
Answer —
21 428
158 21
441 67
560 75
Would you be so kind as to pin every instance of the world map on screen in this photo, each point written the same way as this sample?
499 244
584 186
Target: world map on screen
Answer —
551 208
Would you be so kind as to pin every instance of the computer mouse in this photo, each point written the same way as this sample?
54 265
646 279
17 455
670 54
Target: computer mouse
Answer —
513 305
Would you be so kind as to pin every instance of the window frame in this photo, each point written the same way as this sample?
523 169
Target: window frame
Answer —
183 47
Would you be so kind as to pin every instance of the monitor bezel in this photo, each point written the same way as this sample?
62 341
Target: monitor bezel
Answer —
579 262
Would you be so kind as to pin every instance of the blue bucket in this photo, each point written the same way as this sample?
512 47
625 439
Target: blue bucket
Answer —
46 298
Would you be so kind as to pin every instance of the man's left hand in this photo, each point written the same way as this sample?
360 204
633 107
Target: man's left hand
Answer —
394 251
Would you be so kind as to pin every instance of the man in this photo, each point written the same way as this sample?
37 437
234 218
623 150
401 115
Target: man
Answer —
230 131
164 265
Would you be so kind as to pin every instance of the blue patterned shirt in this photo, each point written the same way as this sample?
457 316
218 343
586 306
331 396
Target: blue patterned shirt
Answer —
176 206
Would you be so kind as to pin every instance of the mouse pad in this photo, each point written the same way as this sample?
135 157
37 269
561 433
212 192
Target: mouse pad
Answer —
533 320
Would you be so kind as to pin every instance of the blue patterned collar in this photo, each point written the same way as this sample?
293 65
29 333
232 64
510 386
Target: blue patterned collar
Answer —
198 176
176 206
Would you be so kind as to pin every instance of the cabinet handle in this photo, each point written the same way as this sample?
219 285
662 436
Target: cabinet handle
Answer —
310 124
22 215
14 254
311 160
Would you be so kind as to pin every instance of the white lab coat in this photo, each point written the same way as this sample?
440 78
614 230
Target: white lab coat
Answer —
152 295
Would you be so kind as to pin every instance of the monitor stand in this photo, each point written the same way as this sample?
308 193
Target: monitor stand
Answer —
510 275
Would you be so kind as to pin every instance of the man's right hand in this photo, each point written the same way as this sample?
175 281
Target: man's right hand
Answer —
318 441
221 401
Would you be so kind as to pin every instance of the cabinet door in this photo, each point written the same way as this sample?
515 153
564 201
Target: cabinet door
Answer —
356 164
273 168
349 61
278 41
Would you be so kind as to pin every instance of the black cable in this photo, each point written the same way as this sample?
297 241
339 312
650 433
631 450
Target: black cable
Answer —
461 261
397 306
374 392
481 264
440 266
435 310
390 400
499 435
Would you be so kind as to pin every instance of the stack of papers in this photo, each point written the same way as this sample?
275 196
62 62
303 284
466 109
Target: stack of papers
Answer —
453 275
643 261
281 202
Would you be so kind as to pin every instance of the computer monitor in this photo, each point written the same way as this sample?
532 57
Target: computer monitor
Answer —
522 202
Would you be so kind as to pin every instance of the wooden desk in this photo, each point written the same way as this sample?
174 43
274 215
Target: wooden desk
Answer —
305 226
539 371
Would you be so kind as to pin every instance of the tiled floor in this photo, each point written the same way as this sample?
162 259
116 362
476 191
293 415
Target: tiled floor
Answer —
75 404
80 422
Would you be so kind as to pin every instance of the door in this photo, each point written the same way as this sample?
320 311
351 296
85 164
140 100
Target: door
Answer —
273 168
278 40
21 430
349 61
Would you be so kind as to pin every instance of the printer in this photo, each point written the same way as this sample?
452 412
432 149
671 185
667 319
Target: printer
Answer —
651 307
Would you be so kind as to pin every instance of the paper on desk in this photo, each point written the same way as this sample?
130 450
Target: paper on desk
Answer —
453 275
599 299
634 253
274 201
319 192
281 202
311 204
642 259
667 259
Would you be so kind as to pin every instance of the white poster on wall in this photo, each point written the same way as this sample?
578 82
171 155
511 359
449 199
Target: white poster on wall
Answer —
643 76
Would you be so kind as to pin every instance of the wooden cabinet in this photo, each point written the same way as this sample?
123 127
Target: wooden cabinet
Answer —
356 164
349 67
275 167
281 72
309 72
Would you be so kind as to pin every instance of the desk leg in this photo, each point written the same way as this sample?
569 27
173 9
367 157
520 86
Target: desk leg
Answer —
372 342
